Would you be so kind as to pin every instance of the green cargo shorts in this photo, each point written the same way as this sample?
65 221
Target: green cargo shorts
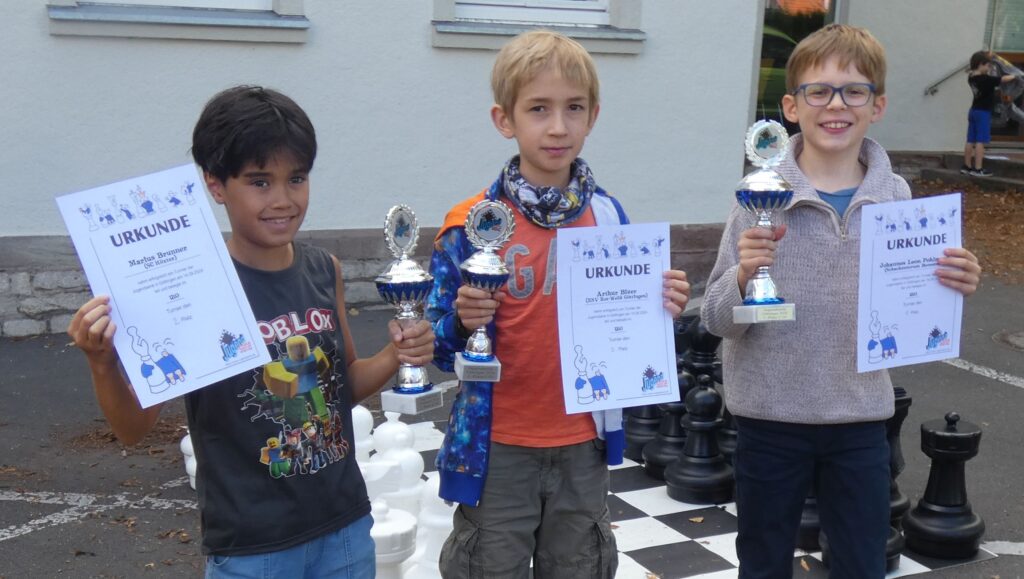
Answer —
541 506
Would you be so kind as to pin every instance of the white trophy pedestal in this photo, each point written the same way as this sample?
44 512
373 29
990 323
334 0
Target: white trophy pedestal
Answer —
472 371
757 314
391 401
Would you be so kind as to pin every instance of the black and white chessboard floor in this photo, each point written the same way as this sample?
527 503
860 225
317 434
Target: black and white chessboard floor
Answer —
659 537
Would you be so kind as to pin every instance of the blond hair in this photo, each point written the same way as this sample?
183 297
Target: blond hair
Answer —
531 53
852 45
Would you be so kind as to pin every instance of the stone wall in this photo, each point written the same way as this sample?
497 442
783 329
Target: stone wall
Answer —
41 282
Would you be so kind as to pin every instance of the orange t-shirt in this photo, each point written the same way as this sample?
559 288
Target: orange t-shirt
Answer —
529 404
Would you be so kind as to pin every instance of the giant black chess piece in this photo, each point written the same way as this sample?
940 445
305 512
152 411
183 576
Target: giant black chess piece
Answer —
641 427
642 422
899 504
808 534
668 443
942 525
701 475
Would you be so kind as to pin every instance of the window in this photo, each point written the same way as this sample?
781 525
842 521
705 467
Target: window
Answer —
786 22
222 4
572 12
611 26
226 20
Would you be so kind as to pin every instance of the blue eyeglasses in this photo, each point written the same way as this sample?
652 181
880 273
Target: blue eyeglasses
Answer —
819 94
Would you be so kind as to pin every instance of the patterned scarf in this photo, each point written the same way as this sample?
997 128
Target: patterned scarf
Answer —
550 207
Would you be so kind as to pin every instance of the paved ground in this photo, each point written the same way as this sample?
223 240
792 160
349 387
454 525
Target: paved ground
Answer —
74 503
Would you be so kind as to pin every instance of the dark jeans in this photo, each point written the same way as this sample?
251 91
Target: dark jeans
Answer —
775 466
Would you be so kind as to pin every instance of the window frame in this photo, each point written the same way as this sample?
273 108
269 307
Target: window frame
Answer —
602 26
563 12
285 22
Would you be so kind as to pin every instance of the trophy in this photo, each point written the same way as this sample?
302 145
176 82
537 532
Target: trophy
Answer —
488 226
404 284
761 193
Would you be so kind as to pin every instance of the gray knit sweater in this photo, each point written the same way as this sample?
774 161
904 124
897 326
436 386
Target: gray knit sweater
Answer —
804 371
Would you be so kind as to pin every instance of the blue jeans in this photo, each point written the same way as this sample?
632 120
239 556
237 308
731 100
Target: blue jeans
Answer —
347 553
979 126
775 466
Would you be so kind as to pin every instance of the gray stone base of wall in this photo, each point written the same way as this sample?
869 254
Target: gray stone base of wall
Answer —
42 285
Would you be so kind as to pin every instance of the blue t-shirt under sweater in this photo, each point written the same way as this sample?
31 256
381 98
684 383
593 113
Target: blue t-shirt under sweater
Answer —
839 200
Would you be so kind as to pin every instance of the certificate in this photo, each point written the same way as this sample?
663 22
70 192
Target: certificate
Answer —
152 244
614 334
905 316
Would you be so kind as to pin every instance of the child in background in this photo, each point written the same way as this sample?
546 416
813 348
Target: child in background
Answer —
979 117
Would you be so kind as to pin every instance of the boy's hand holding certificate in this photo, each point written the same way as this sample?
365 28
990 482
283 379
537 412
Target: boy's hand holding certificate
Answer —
905 315
152 244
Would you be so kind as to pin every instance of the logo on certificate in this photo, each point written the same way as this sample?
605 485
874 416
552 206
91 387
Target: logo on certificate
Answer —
653 380
937 339
231 345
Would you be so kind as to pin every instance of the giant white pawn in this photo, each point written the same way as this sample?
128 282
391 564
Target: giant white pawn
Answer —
190 459
435 525
362 424
394 441
394 534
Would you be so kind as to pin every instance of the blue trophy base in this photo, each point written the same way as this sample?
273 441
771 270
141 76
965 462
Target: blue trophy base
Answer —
477 357
763 301
413 389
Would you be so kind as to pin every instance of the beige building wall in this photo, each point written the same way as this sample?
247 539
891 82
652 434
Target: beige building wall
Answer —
401 119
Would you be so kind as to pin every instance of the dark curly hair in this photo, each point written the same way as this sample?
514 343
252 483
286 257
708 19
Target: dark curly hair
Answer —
250 124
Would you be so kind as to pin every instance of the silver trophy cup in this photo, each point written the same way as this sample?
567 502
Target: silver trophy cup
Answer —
405 285
762 193
489 225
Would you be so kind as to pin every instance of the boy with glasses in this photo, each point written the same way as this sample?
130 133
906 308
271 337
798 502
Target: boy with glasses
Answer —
813 419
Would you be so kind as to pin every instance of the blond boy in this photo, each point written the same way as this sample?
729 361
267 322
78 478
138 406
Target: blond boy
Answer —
531 480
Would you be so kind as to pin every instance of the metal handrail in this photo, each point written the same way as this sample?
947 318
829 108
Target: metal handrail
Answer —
934 88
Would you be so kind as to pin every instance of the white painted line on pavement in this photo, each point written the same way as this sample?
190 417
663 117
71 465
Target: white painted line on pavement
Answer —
986 372
81 506
66 516
1004 547
178 482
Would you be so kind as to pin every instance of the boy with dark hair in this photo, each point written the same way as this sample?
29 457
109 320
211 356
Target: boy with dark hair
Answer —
802 417
979 117
279 496
533 481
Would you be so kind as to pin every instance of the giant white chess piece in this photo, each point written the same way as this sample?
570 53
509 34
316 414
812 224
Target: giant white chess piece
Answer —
394 441
394 531
435 524
362 424
190 459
